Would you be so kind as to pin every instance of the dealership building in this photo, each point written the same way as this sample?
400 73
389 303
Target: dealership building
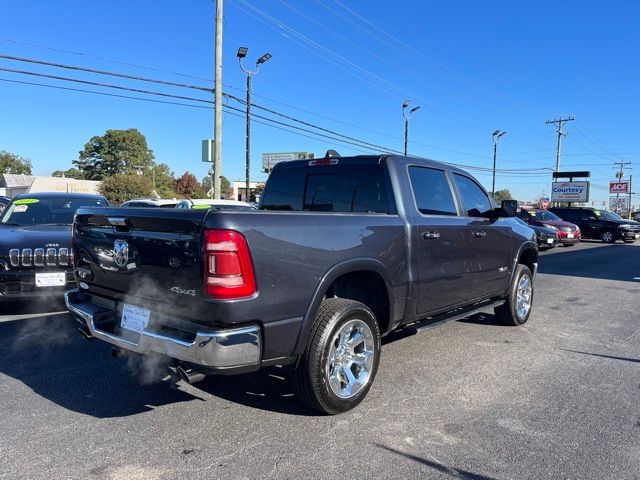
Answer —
13 184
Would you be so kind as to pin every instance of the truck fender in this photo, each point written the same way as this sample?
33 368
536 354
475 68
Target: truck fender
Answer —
528 245
352 265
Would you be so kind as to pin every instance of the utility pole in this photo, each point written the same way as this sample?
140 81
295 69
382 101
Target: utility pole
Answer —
630 197
496 136
406 123
242 52
217 115
560 121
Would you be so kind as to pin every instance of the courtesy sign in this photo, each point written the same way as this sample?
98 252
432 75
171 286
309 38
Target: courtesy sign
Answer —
570 192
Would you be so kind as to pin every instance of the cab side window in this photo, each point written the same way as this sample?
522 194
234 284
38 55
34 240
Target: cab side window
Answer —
474 201
431 191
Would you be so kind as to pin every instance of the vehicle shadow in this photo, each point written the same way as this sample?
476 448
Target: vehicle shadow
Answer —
608 262
449 471
49 356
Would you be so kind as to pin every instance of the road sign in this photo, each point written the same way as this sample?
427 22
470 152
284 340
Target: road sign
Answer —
619 187
208 147
619 203
570 192
269 160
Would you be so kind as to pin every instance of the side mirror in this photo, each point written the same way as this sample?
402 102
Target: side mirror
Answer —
509 208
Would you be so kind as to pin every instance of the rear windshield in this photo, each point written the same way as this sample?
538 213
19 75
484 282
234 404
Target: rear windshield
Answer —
46 211
329 188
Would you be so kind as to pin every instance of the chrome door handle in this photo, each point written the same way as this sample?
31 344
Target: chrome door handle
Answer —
480 234
430 235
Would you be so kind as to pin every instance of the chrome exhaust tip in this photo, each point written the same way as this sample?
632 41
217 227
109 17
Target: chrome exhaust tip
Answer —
190 375
85 333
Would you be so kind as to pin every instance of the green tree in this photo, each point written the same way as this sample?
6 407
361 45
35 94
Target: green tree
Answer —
164 180
114 153
123 187
12 163
501 195
70 173
225 186
188 186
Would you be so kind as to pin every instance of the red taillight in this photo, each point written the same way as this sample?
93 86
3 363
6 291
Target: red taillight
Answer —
228 266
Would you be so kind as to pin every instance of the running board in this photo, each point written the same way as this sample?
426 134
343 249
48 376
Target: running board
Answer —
453 315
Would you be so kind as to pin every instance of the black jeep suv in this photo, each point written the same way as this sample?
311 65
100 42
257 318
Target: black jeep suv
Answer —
600 224
35 244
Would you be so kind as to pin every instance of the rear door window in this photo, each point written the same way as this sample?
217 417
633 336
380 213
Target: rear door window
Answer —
475 202
432 191
335 188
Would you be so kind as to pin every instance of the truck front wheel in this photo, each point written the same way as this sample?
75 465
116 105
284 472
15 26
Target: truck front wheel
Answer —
517 307
341 358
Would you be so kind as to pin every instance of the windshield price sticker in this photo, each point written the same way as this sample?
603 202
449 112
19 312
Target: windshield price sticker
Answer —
20 208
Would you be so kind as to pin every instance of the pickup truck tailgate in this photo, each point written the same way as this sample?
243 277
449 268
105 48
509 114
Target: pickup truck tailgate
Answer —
147 262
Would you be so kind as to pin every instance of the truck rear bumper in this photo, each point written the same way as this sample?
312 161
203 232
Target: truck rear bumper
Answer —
217 349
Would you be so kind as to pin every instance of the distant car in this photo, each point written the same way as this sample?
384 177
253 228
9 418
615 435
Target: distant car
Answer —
205 203
601 224
636 216
568 233
150 203
4 201
547 237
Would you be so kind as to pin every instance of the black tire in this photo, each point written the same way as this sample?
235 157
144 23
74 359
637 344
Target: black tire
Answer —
608 237
507 313
310 381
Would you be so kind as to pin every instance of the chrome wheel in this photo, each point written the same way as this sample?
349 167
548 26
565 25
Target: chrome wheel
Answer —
523 296
350 359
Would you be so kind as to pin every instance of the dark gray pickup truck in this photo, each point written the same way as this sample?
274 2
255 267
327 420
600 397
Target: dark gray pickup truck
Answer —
341 252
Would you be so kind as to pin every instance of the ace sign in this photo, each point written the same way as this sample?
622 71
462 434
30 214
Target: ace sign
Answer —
618 187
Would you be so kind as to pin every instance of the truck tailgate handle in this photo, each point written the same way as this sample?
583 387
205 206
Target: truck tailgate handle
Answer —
480 234
430 235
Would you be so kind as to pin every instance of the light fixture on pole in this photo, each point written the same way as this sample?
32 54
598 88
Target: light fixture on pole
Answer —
242 53
405 104
496 136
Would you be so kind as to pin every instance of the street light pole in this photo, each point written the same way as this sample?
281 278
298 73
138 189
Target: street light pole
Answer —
496 136
406 123
242 52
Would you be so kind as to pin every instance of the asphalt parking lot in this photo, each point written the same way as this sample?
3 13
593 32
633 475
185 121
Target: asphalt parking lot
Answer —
557 398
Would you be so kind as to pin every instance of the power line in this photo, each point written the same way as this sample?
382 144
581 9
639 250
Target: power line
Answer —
266 121
103 72
99 84
194 87
145 67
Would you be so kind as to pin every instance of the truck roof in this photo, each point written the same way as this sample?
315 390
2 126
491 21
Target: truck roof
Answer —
370 159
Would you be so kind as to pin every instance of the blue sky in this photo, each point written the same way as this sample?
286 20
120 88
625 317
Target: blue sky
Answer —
345 65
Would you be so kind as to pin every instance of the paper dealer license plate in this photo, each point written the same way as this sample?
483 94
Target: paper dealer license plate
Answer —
570 235
549 240
51 279
134 318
